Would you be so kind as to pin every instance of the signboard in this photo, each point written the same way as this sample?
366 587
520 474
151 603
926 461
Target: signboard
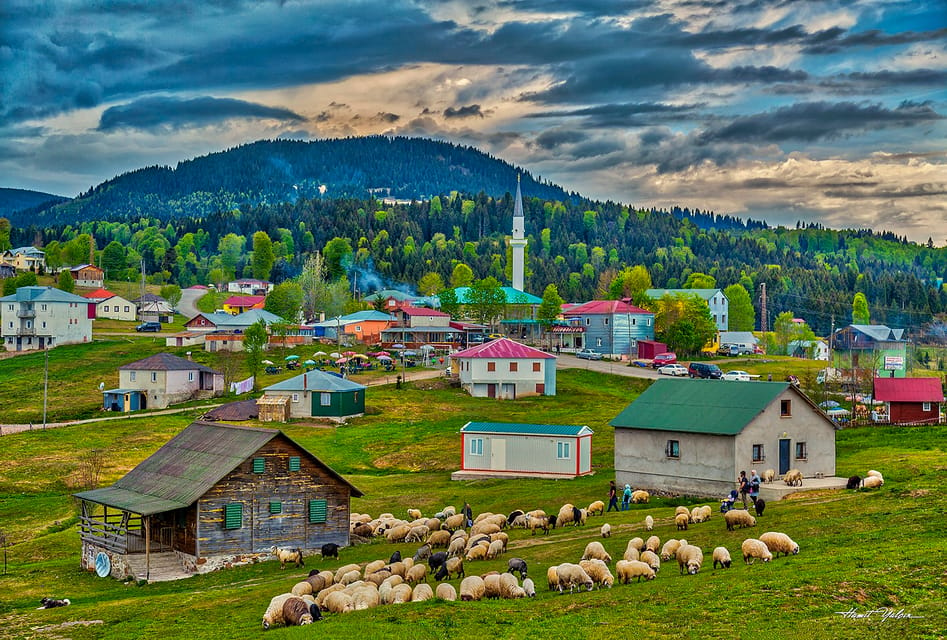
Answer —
894 362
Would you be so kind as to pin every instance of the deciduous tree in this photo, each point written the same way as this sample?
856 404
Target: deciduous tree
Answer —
742 314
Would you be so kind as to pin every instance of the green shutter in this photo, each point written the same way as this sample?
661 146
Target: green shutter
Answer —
317 511
259 465
276 507
233 515
294 463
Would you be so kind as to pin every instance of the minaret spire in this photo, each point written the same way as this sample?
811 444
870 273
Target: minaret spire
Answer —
518 242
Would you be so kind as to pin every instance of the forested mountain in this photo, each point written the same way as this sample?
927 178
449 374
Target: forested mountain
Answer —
275 171
15 200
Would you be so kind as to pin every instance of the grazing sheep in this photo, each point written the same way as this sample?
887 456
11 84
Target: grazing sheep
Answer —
456 547
579 516
296 612
417 573
341 571
319 580
877 474
454 522
649 523
637 543
512 516
455 567
596 507
446 591
517 565
397 568
401 593
700 514
653 544
681 520
640 496
491 585
753 548
722 556
472 588
793 478
484 528
365 597
519 522
529 588
595 549
422 592
395 557
669 550
572 576
439 538
479 552
599 572
417 533
363 530
436 560
330 550
651 559
537 522
690 558
352 576
682 509
769 475
373 566
738 517
502 537
398 533
339 602
628 569
631 553
274 612
778 543
325 593
872 482
423 553
566 514
414 514
408 563
379 577
288 555
606 530
475 540
552 577
494 550
759 506
853 482
510 588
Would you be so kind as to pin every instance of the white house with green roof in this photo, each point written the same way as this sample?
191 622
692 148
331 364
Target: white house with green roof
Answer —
715 299
517 450
695 436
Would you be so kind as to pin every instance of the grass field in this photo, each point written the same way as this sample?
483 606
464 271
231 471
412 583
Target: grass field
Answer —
860 551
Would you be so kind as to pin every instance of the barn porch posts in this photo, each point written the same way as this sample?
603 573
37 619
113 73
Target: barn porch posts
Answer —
121 531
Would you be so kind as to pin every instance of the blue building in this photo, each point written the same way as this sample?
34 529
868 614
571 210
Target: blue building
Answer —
611 327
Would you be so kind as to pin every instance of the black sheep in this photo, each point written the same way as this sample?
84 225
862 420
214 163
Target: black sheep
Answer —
576 516
552 521
513 516
760 505
517 564
315 612
854 482
436 560
395 557
52 603
441 573
330 550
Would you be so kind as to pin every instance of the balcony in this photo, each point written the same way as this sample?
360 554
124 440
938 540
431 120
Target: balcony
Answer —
26 331
26 313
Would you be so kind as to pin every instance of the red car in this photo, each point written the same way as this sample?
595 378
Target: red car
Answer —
664 358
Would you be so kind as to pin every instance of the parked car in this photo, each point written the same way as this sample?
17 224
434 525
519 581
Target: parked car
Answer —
589 354
739 376
148 326
673 370
495 336
664 358
704 370
735 350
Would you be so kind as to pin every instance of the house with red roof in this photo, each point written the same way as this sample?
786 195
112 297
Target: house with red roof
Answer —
911 400
611 327
112 306
505 369
236 305
416 326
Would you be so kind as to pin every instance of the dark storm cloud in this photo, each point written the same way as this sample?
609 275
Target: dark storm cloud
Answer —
169 112
629 114
811 121
558 137
468 111
384 116
591 8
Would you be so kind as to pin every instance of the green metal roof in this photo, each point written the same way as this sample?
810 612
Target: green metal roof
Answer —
186 467
523 429
716 407
316 380
513 296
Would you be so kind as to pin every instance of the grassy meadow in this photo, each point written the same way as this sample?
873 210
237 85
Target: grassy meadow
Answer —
860 551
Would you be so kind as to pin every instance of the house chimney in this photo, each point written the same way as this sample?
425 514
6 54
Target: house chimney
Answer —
305 375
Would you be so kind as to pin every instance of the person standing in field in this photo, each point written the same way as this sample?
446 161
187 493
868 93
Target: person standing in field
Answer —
612 496
744 487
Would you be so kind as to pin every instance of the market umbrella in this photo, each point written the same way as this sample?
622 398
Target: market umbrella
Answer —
838 411
379 354
829 404
360 356
287 358
319 354
309 363
348 353
410 353
341 360
397 346
385 358
267 362
427 347
335 354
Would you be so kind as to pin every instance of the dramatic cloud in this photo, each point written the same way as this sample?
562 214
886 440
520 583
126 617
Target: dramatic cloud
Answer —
469 111
169 112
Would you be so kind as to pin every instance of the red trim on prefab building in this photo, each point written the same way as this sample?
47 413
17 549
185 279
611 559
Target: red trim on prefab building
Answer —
578 454
463 451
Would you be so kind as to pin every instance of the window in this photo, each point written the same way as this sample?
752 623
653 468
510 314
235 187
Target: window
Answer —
606 322
318 510
598 342
673 449
190 376
276 507
491 366
758 453
588 321
476 446
723 319
514 366
649 322
106 308
325 399
43 307
294 463
785 408
295 397
563 450
536 366
358 328
154 376
926 407
131 375
44 324
634 321
802 452
233 515
259 465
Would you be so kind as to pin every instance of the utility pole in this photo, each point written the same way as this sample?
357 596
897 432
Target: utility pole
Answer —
45 384
763 325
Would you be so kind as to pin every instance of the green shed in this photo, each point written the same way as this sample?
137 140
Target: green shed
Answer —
317 394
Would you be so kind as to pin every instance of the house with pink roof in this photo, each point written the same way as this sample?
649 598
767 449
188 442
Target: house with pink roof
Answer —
611 327
505 369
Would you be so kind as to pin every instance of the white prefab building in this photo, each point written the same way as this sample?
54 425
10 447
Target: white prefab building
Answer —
499 449
505 369
43 317
695 436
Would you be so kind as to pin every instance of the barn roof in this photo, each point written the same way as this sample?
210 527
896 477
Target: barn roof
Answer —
502 348
165 362
908 390
523 429
605 307
187 466
717 407
315 380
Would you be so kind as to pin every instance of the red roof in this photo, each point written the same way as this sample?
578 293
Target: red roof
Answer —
423 311
604 307
908 390
101 294
244 301
502 348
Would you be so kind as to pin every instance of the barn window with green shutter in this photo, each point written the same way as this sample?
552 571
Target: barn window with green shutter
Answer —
294 463
233 515
276 507
317 511
259 465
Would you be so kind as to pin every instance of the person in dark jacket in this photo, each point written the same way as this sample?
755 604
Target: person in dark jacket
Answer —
612 496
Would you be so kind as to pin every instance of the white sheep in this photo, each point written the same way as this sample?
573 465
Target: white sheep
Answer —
651 559
502 537
325 593
793 478
456 547
629 569
682 509
631 553
552 577
477 552
596 507
637 543
753 548
302 589
769 475
288 555
872 472
669 550
649 523
455 567
640 496
274 612
778 543
339 602
566 515
422 592
432 524
572 576
438 538
417 533
606 530
537 522
401 593
364 596
738 517
373 566
722 556
653 543
484 528
446 591
595 549
414 514
682 520
491 585
529 588
690 558
510 588
872 482
454 522
495 549
599 572
351 577
472 588
417 573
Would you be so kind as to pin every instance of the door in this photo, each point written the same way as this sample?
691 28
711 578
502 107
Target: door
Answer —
491 390
498 454
783 456
509 391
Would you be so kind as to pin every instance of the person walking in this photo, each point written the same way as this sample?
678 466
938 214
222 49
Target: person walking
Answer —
612 496
754 486
744 487
626 498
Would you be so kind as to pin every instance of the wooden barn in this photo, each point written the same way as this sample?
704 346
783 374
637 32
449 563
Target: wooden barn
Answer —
911 400
214 495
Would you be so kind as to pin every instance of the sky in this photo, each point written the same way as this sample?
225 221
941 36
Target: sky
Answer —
828 111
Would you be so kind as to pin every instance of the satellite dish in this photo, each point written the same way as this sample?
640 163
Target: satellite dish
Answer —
103 566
